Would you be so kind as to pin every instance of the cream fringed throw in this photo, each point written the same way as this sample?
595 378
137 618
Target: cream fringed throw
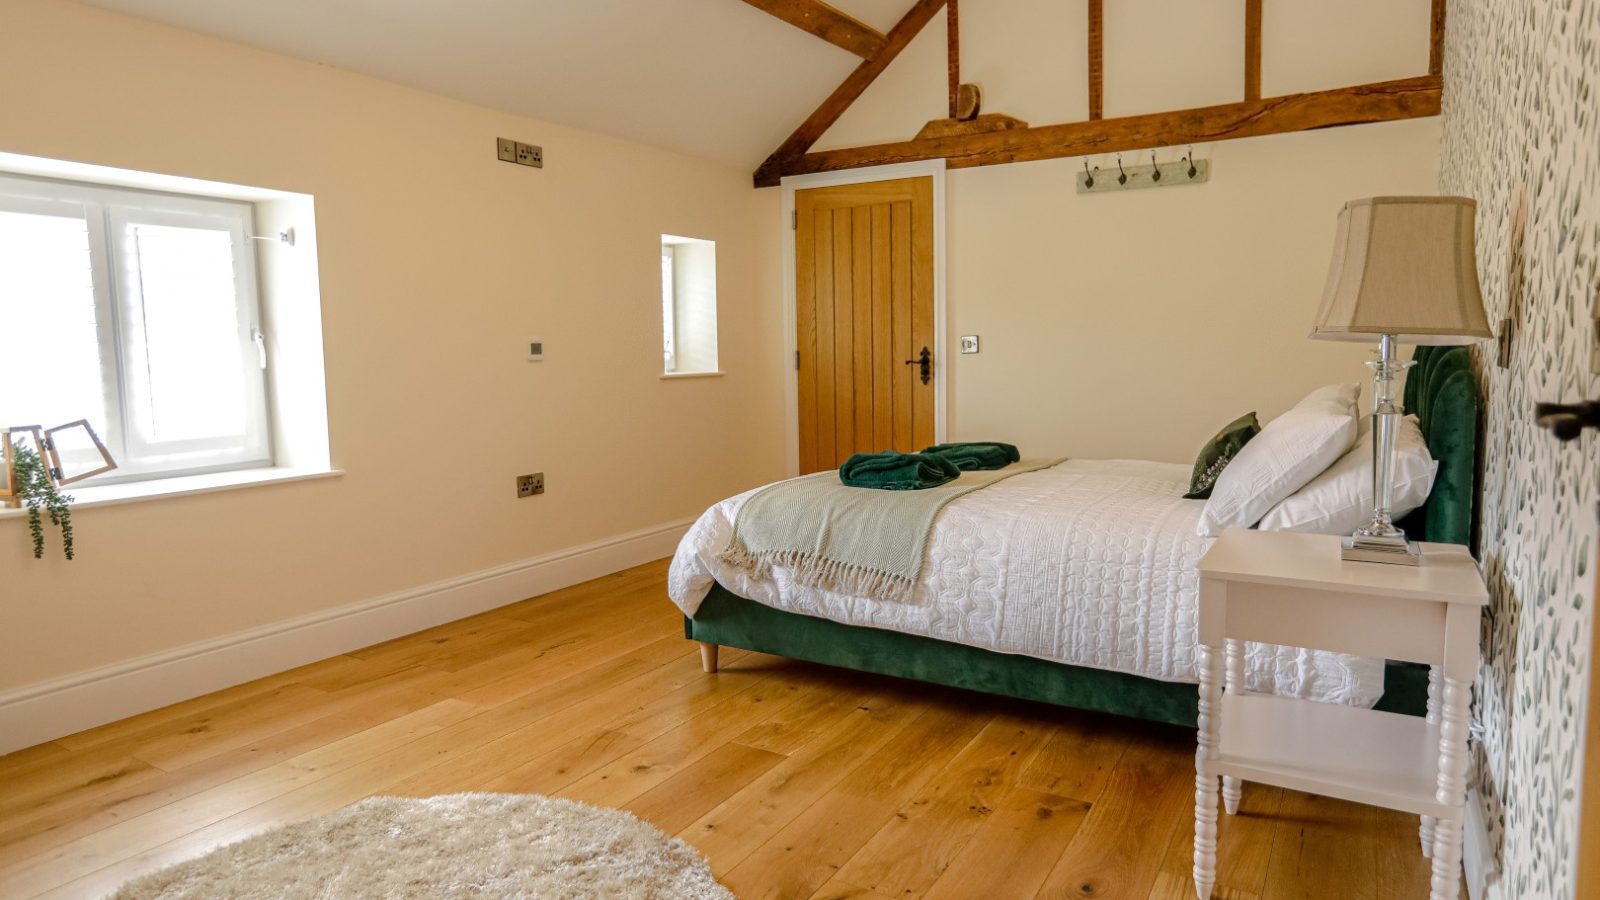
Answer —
849 540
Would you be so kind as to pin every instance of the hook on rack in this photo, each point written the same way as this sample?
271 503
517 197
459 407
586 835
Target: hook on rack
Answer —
1132 174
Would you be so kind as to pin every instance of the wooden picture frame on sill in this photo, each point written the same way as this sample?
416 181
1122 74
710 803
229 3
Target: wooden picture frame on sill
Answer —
10 493
8 488
59 474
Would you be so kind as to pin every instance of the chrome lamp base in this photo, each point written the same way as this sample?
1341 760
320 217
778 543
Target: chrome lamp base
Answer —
1392 549
1379 541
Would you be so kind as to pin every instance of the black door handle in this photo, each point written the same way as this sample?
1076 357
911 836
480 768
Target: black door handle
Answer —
924 360
1567 422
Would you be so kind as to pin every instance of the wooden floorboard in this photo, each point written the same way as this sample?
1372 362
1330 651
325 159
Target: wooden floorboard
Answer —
797 781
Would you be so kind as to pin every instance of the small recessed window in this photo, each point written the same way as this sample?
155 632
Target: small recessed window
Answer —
688 305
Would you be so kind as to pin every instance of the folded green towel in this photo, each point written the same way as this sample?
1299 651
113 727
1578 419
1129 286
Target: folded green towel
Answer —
894 471
976 454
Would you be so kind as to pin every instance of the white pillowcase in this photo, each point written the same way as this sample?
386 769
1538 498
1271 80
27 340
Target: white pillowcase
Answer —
1340 500
1290 451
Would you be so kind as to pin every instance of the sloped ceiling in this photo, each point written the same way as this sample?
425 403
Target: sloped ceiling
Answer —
717 79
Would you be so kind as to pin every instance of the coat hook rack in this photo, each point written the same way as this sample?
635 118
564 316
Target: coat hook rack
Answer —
1184 170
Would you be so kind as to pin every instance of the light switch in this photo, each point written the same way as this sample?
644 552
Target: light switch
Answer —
969 343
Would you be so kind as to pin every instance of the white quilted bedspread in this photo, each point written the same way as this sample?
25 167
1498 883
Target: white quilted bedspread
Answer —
1091 562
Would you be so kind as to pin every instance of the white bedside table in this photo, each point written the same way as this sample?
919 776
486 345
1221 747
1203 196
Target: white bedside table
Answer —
1293 589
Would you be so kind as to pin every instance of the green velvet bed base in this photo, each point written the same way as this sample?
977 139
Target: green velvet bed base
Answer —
1440 390
732 621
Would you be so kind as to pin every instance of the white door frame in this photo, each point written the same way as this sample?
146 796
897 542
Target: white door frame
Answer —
934 169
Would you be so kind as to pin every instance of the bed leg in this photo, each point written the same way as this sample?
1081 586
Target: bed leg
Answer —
708 656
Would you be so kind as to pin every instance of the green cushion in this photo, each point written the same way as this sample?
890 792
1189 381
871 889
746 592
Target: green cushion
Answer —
1218 452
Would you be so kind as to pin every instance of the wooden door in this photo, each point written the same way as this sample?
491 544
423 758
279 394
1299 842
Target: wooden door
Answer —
863 308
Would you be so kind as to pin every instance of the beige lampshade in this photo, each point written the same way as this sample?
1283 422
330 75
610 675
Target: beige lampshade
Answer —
1405 266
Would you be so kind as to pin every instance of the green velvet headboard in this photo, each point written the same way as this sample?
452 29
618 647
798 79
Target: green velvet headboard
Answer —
1443 393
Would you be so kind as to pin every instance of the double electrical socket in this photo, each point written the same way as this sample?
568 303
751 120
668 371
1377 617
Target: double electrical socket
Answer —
517 152
528 485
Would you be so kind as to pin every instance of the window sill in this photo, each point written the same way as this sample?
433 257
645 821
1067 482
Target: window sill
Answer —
133 492
673 376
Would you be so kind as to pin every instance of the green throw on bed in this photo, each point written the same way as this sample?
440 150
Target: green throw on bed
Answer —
895 471
974 455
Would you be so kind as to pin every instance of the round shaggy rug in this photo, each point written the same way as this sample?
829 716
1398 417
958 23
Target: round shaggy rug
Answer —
460 845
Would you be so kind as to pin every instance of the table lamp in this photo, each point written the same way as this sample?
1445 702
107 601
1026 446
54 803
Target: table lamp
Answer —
1404 270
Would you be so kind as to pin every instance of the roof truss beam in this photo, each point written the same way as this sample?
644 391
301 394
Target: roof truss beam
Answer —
837 28
960 147
1403 98
823 117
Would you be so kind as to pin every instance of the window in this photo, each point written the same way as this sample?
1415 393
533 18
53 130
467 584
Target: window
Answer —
688 306
140 314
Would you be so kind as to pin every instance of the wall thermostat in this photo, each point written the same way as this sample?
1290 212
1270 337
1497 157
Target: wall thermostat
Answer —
535 351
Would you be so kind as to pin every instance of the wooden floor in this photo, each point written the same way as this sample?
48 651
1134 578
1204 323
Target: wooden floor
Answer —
795 780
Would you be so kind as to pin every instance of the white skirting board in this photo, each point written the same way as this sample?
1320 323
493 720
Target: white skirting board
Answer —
50 709
1477 857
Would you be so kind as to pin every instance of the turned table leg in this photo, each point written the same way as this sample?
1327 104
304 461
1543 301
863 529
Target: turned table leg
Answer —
1233 787
1425 831
1205 781
1452 789
708 656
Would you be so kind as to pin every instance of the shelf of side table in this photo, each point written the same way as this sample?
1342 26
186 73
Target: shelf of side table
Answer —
1363 755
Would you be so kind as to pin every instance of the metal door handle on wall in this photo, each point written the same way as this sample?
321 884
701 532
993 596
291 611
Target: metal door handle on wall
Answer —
1566 422
924 361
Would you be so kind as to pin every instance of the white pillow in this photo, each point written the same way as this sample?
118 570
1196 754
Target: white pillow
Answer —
1290 451
1340 500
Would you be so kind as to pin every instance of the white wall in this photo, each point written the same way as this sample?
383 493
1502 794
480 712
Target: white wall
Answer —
1136 324
437 261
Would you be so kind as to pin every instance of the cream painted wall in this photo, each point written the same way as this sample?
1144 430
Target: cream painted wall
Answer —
1136 324
437 262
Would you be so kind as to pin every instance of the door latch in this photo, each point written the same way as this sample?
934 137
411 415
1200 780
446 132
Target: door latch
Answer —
1567 422
924 362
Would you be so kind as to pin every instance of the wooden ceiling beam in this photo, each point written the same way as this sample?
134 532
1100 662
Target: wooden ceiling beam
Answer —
823 117
952 18
837 28
1252 49
1436 39
1097 60
1403 98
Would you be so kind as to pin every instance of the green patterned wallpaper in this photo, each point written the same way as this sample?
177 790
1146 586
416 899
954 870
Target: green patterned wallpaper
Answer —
1522 135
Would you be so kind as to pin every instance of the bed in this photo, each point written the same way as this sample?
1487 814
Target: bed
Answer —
987 619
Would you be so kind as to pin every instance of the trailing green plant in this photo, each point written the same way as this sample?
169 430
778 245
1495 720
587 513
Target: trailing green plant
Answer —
40 496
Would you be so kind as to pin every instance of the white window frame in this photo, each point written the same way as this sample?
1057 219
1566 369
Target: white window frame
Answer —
107 212
669 308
